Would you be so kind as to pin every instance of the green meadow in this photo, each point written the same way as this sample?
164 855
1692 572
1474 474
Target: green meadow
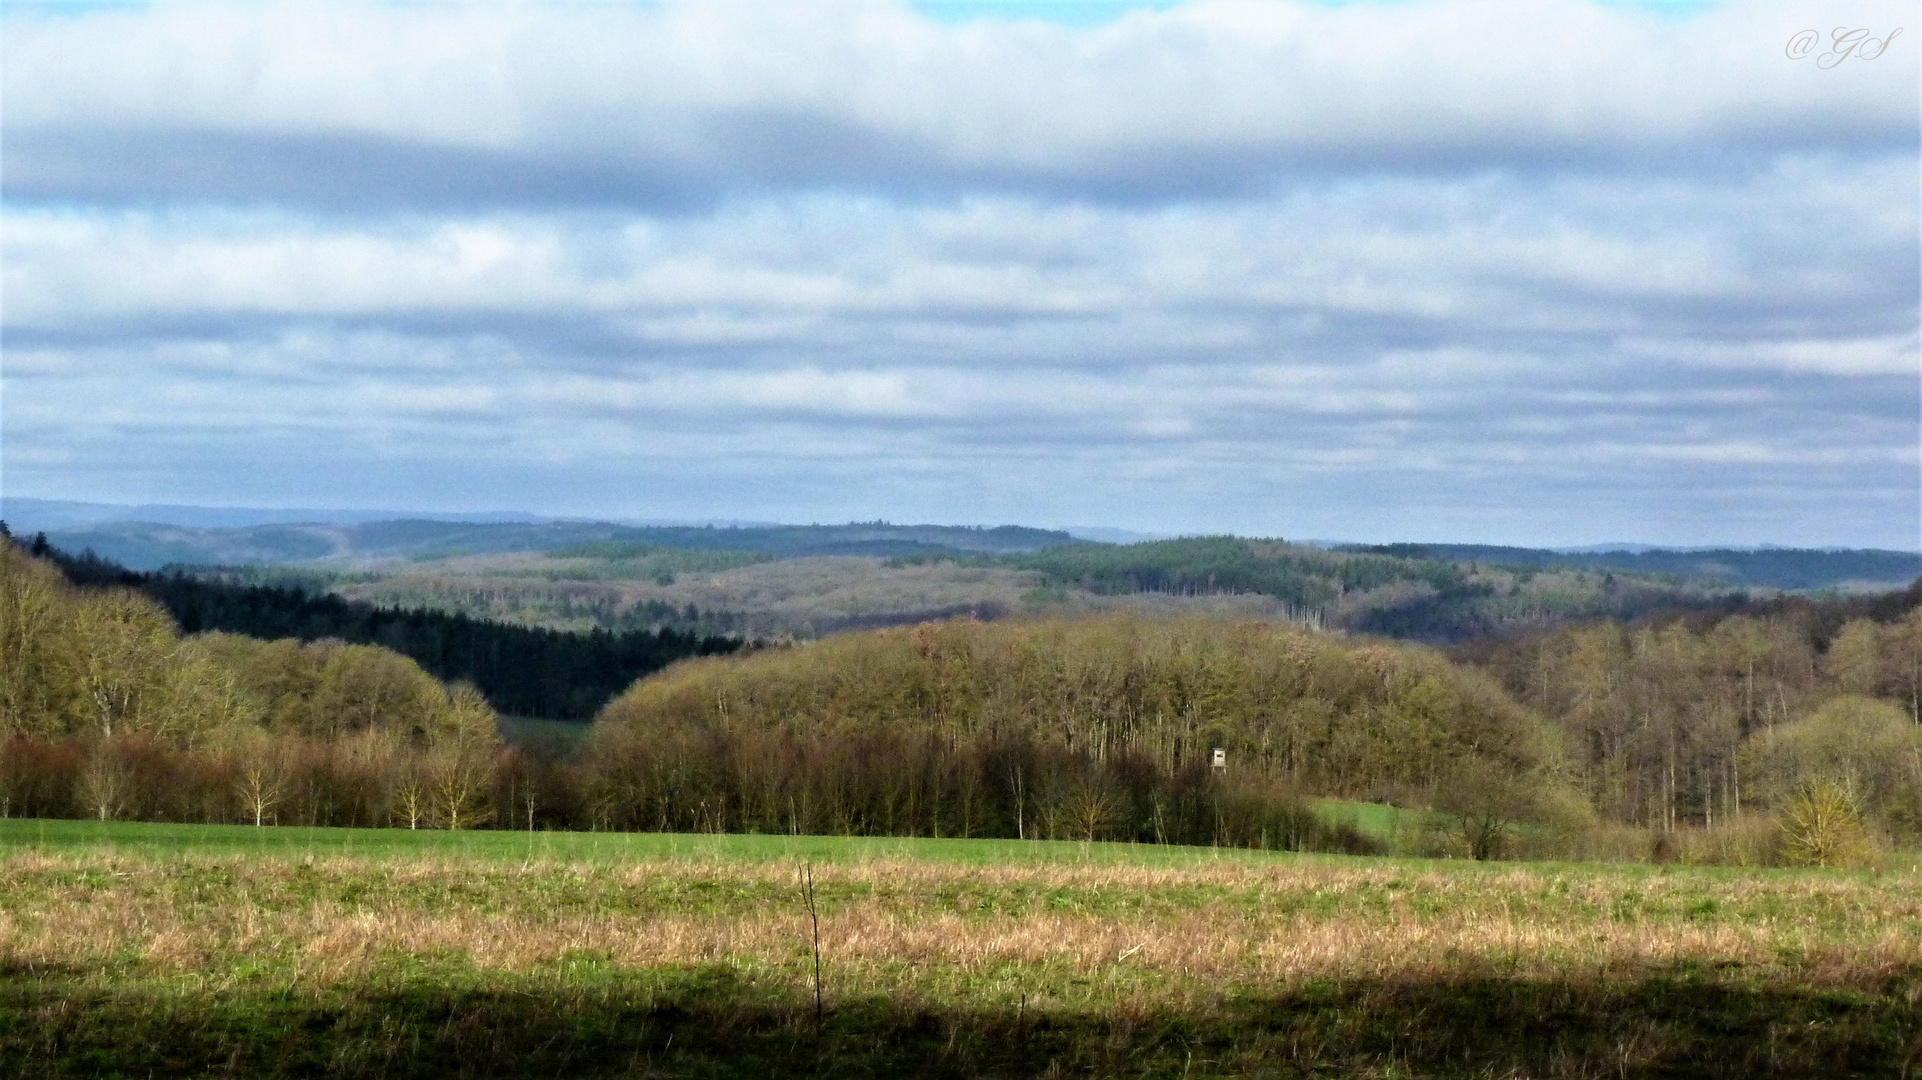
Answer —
150 840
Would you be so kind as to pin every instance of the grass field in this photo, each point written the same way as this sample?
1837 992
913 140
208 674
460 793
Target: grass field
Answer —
152 840
154 950
1377 821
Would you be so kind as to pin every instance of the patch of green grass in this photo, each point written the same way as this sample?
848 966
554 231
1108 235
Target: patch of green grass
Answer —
57 836
48 835
1377 821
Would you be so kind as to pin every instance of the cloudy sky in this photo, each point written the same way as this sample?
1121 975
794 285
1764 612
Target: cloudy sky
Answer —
1549 272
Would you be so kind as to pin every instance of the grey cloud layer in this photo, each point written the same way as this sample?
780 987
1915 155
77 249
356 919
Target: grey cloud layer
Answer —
1808 266
1528 272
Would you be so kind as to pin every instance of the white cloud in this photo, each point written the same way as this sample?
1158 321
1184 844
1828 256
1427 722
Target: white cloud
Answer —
1887 354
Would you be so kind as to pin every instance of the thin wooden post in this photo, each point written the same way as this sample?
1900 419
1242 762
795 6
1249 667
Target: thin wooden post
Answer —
814 916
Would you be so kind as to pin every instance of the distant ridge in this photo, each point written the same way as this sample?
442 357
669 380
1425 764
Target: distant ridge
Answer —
25 515
1622 547
142 545
1104 535
151 536
30 515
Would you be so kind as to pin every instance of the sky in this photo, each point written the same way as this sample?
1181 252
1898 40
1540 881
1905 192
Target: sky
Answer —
1543 272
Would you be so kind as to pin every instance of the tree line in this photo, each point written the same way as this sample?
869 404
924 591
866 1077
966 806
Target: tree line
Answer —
108 709
522 670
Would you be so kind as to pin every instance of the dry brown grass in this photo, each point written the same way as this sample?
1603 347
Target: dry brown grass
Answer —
900 925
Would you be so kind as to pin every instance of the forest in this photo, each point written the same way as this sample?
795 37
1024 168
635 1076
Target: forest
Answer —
1401 592
1784 731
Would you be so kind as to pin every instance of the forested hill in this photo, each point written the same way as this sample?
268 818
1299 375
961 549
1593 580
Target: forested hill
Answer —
148 546
1446 593
1307 576
1395 595
523 671
1768 568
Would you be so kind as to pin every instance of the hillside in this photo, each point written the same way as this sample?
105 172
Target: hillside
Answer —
781 582
1377 592
1387 592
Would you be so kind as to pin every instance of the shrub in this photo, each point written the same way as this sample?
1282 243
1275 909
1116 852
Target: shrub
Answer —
1822 826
